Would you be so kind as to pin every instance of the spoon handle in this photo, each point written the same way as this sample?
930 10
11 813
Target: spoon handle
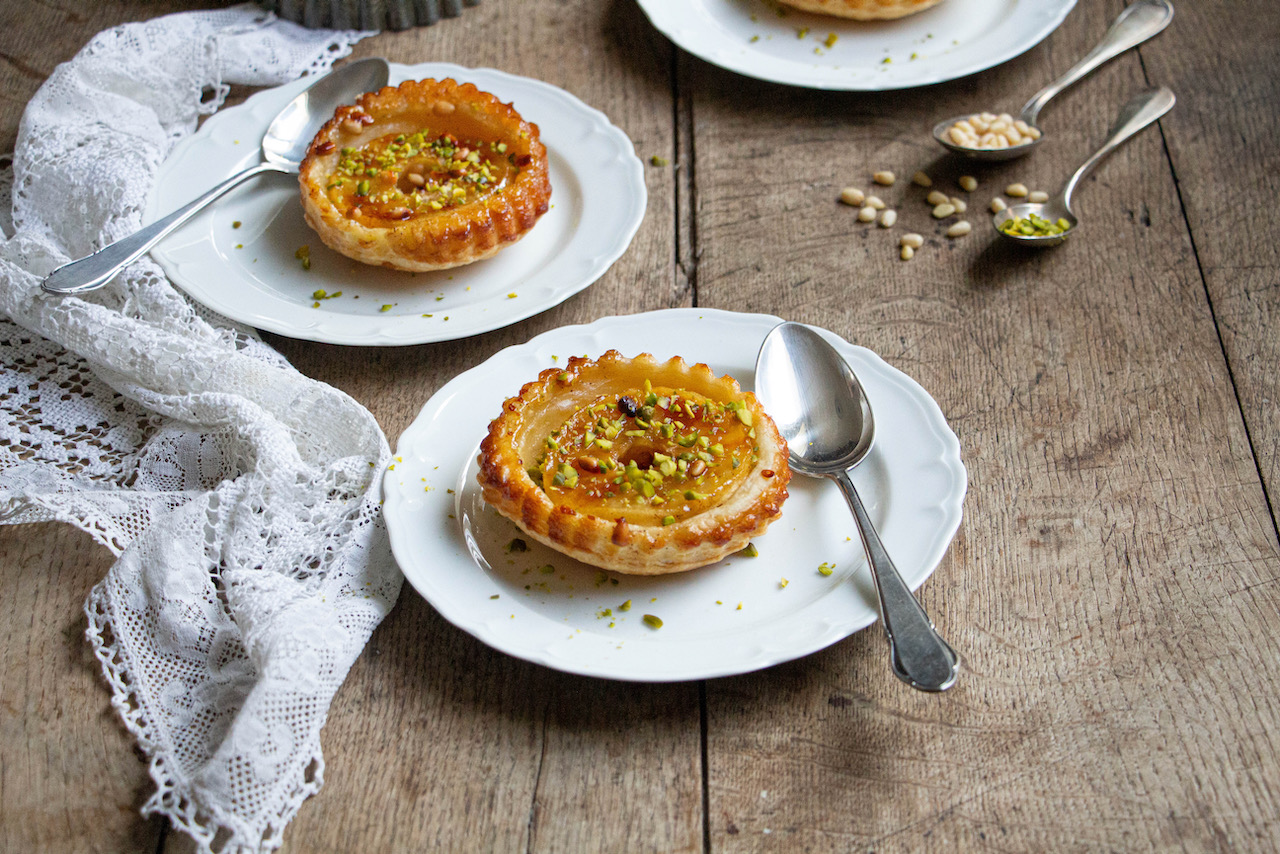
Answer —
1136 23
1142 110
920 657
93 271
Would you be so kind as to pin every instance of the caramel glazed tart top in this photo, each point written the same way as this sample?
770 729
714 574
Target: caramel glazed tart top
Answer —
641 544
419 238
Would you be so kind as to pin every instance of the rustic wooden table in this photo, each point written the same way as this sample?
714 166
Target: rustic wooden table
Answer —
1112 586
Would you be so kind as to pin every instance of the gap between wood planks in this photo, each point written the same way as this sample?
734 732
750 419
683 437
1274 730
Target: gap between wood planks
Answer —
1208 295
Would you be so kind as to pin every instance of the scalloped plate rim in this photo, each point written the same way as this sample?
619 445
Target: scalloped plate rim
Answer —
399 508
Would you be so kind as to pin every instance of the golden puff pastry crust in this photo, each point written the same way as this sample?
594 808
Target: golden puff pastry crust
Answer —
636 466
426 175
863 10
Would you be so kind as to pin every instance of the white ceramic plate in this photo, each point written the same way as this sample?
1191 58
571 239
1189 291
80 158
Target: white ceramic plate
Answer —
250 273
455 550
761 39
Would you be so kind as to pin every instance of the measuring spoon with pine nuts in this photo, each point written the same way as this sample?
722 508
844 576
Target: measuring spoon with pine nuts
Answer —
990 137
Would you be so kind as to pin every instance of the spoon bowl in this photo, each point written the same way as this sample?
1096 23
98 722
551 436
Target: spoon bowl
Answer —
982 155
818 405
1136 23
1142 111
283 147
1053 210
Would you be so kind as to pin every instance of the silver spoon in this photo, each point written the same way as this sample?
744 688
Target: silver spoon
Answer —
1136 23
1141 111
818 404
283 148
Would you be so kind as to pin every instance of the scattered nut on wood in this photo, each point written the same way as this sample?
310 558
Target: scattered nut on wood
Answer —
884 177
867 214
907 253
997 205
937 197
852 196
959 229
1038 196
968 183
944 210
1016 191
912 240
888 218
921 180
876 202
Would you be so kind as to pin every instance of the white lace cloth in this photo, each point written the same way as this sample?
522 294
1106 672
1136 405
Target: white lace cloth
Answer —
240 497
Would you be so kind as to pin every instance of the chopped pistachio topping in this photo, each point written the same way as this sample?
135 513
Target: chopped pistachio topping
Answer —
399 175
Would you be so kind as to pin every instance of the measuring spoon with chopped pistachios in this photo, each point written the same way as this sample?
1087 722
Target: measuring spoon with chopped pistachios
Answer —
1048 223
989 137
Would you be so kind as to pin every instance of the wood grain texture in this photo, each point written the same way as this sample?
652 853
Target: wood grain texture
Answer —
1112 587
1114 567
70 779
480 751
1221 141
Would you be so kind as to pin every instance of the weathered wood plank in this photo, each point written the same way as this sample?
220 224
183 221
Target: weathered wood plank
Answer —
1116 563
452 746
1222 61
69 780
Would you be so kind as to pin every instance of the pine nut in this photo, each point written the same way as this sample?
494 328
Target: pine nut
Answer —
867 214
959 204
997 205
351 126
907 253
415 179
888 218
884 177
968 183
1016 191
875 202
959 229
912 240
852 196
937 197
987 130
1038 196
921 180
944 210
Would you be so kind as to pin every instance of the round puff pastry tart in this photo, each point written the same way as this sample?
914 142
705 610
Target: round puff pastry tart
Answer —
636 466
863 10
426 175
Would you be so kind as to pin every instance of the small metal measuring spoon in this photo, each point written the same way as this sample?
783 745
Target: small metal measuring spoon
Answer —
1141 111
283 147
1137 23
819 406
